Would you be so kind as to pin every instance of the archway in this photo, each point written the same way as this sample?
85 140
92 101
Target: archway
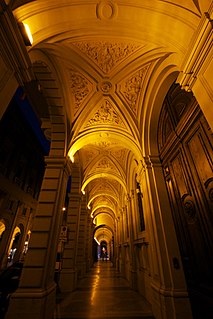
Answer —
14 244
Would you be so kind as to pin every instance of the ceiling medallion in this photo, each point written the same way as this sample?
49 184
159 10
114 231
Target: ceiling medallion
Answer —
106 10
106 87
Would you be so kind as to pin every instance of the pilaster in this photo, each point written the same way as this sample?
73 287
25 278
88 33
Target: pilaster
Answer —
133 273
81 251
89 241
68 275
169 291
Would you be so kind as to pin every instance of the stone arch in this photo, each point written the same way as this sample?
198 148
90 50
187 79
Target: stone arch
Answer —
2 228
153 108
53 116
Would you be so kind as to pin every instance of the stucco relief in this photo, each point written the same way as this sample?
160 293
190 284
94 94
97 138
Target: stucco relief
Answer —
80 87
89 156
106 10
105 115
105 164
107 54
102 186
131 88
106 87
120 155
104 144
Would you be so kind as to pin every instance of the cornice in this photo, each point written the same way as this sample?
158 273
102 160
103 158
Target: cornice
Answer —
198 51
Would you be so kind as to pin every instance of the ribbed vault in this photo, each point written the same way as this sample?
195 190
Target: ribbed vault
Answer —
107 56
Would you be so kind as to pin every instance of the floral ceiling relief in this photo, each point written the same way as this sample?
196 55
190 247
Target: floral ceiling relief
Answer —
131 89
105 115
80 87
107 54
105 164
101 186
90 154
120 155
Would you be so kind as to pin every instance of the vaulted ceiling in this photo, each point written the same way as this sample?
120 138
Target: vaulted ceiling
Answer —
105 56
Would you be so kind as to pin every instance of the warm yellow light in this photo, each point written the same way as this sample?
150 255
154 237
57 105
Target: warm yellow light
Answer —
63 209
96 241
72 158
83 191
28 32
88 207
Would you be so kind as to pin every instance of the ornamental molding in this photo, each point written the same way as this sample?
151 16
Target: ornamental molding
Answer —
107 54
106 10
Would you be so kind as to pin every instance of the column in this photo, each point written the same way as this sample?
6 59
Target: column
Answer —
35 297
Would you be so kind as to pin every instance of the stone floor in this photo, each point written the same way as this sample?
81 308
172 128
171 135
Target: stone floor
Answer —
102 294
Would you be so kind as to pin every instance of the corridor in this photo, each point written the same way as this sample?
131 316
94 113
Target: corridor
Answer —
102 294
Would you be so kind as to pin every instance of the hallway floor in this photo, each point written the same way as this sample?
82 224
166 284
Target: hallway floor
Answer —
102 294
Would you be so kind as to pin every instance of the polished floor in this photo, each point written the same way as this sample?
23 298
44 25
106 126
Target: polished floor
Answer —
102 294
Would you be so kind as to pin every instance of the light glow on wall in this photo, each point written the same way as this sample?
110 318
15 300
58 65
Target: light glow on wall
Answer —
26 34
97 241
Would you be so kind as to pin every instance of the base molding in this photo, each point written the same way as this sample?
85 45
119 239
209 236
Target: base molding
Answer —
31 303
170 303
